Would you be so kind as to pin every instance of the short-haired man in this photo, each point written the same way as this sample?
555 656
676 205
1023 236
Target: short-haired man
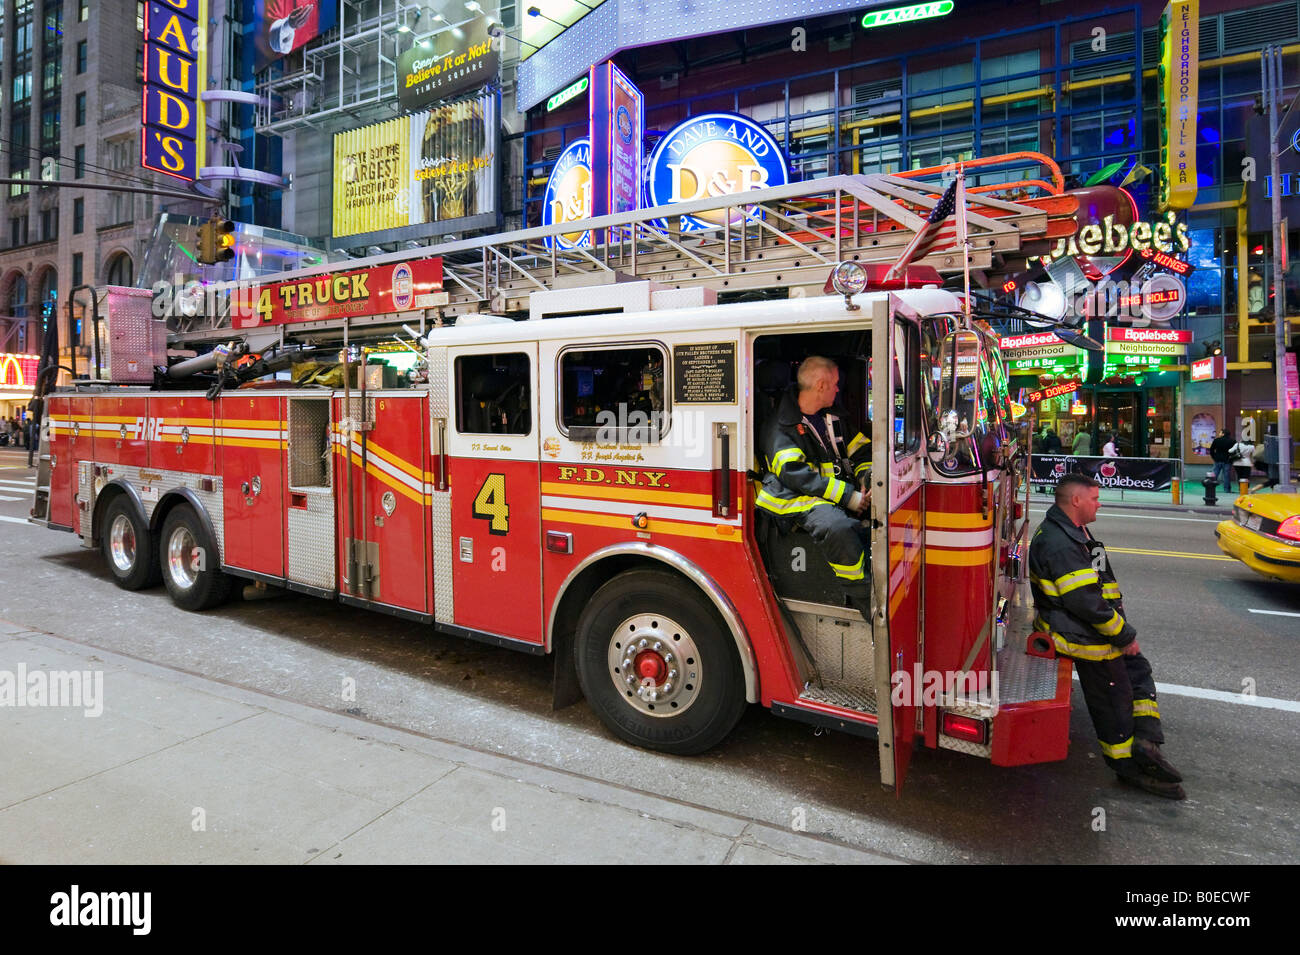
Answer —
815 479
1079 604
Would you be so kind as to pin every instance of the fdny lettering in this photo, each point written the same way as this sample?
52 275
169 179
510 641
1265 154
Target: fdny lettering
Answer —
326 291
148 429
620 477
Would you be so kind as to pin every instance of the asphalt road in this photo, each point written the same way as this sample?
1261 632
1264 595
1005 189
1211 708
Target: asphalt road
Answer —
1192 607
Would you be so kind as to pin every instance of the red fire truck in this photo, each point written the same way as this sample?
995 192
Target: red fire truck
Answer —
581 483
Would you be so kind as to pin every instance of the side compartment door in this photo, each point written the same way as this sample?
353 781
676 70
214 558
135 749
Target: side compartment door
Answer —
250 431
492 459
897 545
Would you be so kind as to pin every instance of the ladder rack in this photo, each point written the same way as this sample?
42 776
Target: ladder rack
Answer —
785 237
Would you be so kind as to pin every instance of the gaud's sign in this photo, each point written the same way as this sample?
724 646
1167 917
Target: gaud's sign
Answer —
175 61
712 155
568 195
381 290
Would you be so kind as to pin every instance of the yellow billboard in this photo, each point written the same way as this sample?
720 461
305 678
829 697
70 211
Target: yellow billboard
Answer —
1179 68
433 166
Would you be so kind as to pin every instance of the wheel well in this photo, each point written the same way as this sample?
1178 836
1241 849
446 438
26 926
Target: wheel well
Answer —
174 500
581 589
102 501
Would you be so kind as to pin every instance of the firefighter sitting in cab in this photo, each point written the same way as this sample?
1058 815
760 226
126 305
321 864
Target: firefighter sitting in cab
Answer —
815 481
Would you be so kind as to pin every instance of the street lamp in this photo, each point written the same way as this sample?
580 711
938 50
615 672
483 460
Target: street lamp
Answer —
535 12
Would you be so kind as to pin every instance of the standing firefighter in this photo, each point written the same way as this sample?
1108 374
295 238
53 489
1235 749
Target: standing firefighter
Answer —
815 480
1079 604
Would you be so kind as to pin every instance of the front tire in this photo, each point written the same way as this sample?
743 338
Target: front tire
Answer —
657 664
128 546
190 567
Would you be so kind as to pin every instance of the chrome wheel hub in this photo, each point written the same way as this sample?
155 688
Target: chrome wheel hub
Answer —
180 558
654 664
121 543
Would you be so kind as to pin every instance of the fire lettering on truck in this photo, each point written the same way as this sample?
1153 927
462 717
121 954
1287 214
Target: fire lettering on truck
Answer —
621 477
148 429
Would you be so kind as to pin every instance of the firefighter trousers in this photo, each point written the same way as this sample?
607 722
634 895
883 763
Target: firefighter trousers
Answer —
1121 698
845 542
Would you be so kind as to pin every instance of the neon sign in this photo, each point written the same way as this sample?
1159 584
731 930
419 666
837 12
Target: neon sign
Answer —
175 60
895 15
568 93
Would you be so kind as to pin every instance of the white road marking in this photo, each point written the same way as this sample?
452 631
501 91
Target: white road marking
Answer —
1223 696
16 520
17 484
6 497
1274 613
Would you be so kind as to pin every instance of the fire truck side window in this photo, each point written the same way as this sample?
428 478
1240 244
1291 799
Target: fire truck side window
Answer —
907 390
613 394
493 394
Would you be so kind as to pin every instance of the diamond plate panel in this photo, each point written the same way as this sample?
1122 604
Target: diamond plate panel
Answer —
443 606
311 558
133 340
439 390
309 422
86 496
852 697
168 481
1022 678
840 645
964 746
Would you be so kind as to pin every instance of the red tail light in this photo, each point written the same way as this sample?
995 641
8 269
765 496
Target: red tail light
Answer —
1290 528
964 727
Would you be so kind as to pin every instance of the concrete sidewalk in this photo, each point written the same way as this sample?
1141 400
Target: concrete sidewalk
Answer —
177 768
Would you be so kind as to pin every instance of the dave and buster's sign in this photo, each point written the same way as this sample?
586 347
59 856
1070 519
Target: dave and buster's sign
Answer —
173 138
712 155
616 120
568 195
377 291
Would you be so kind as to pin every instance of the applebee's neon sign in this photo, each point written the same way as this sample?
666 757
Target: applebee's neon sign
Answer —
1109 237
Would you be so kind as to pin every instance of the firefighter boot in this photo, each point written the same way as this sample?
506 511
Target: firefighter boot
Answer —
1153 763
1154 786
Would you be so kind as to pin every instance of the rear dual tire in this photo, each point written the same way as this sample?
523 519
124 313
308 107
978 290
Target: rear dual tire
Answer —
188 558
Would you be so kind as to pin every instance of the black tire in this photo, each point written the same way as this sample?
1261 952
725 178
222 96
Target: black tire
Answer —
624 621
128 546
194 580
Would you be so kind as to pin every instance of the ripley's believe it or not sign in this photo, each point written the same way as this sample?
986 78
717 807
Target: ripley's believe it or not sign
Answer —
175 63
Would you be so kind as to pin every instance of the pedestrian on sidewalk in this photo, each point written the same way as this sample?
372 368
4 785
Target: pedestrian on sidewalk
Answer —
1109 449
1270 458
1051 442
1242 454
1078 602
1219 454
1082 445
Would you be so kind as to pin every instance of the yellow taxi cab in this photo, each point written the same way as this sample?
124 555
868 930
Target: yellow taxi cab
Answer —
1264 534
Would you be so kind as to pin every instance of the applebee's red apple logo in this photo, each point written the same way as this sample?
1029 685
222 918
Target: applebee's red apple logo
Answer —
1059 468
1107 470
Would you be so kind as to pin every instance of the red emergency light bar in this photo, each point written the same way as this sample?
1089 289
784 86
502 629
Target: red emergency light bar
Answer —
1167 262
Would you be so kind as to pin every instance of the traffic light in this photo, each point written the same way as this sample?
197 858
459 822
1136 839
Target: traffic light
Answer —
216 241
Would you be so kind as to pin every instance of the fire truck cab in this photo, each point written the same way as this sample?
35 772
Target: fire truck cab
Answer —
582 484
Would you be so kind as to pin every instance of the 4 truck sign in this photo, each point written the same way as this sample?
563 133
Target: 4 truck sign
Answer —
175 61
382 290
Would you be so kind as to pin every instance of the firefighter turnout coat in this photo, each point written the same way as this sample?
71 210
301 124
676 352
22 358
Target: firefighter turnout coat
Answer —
1075 591
801 471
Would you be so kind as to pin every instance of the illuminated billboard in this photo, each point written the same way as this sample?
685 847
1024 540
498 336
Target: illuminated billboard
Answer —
435 166
282 26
